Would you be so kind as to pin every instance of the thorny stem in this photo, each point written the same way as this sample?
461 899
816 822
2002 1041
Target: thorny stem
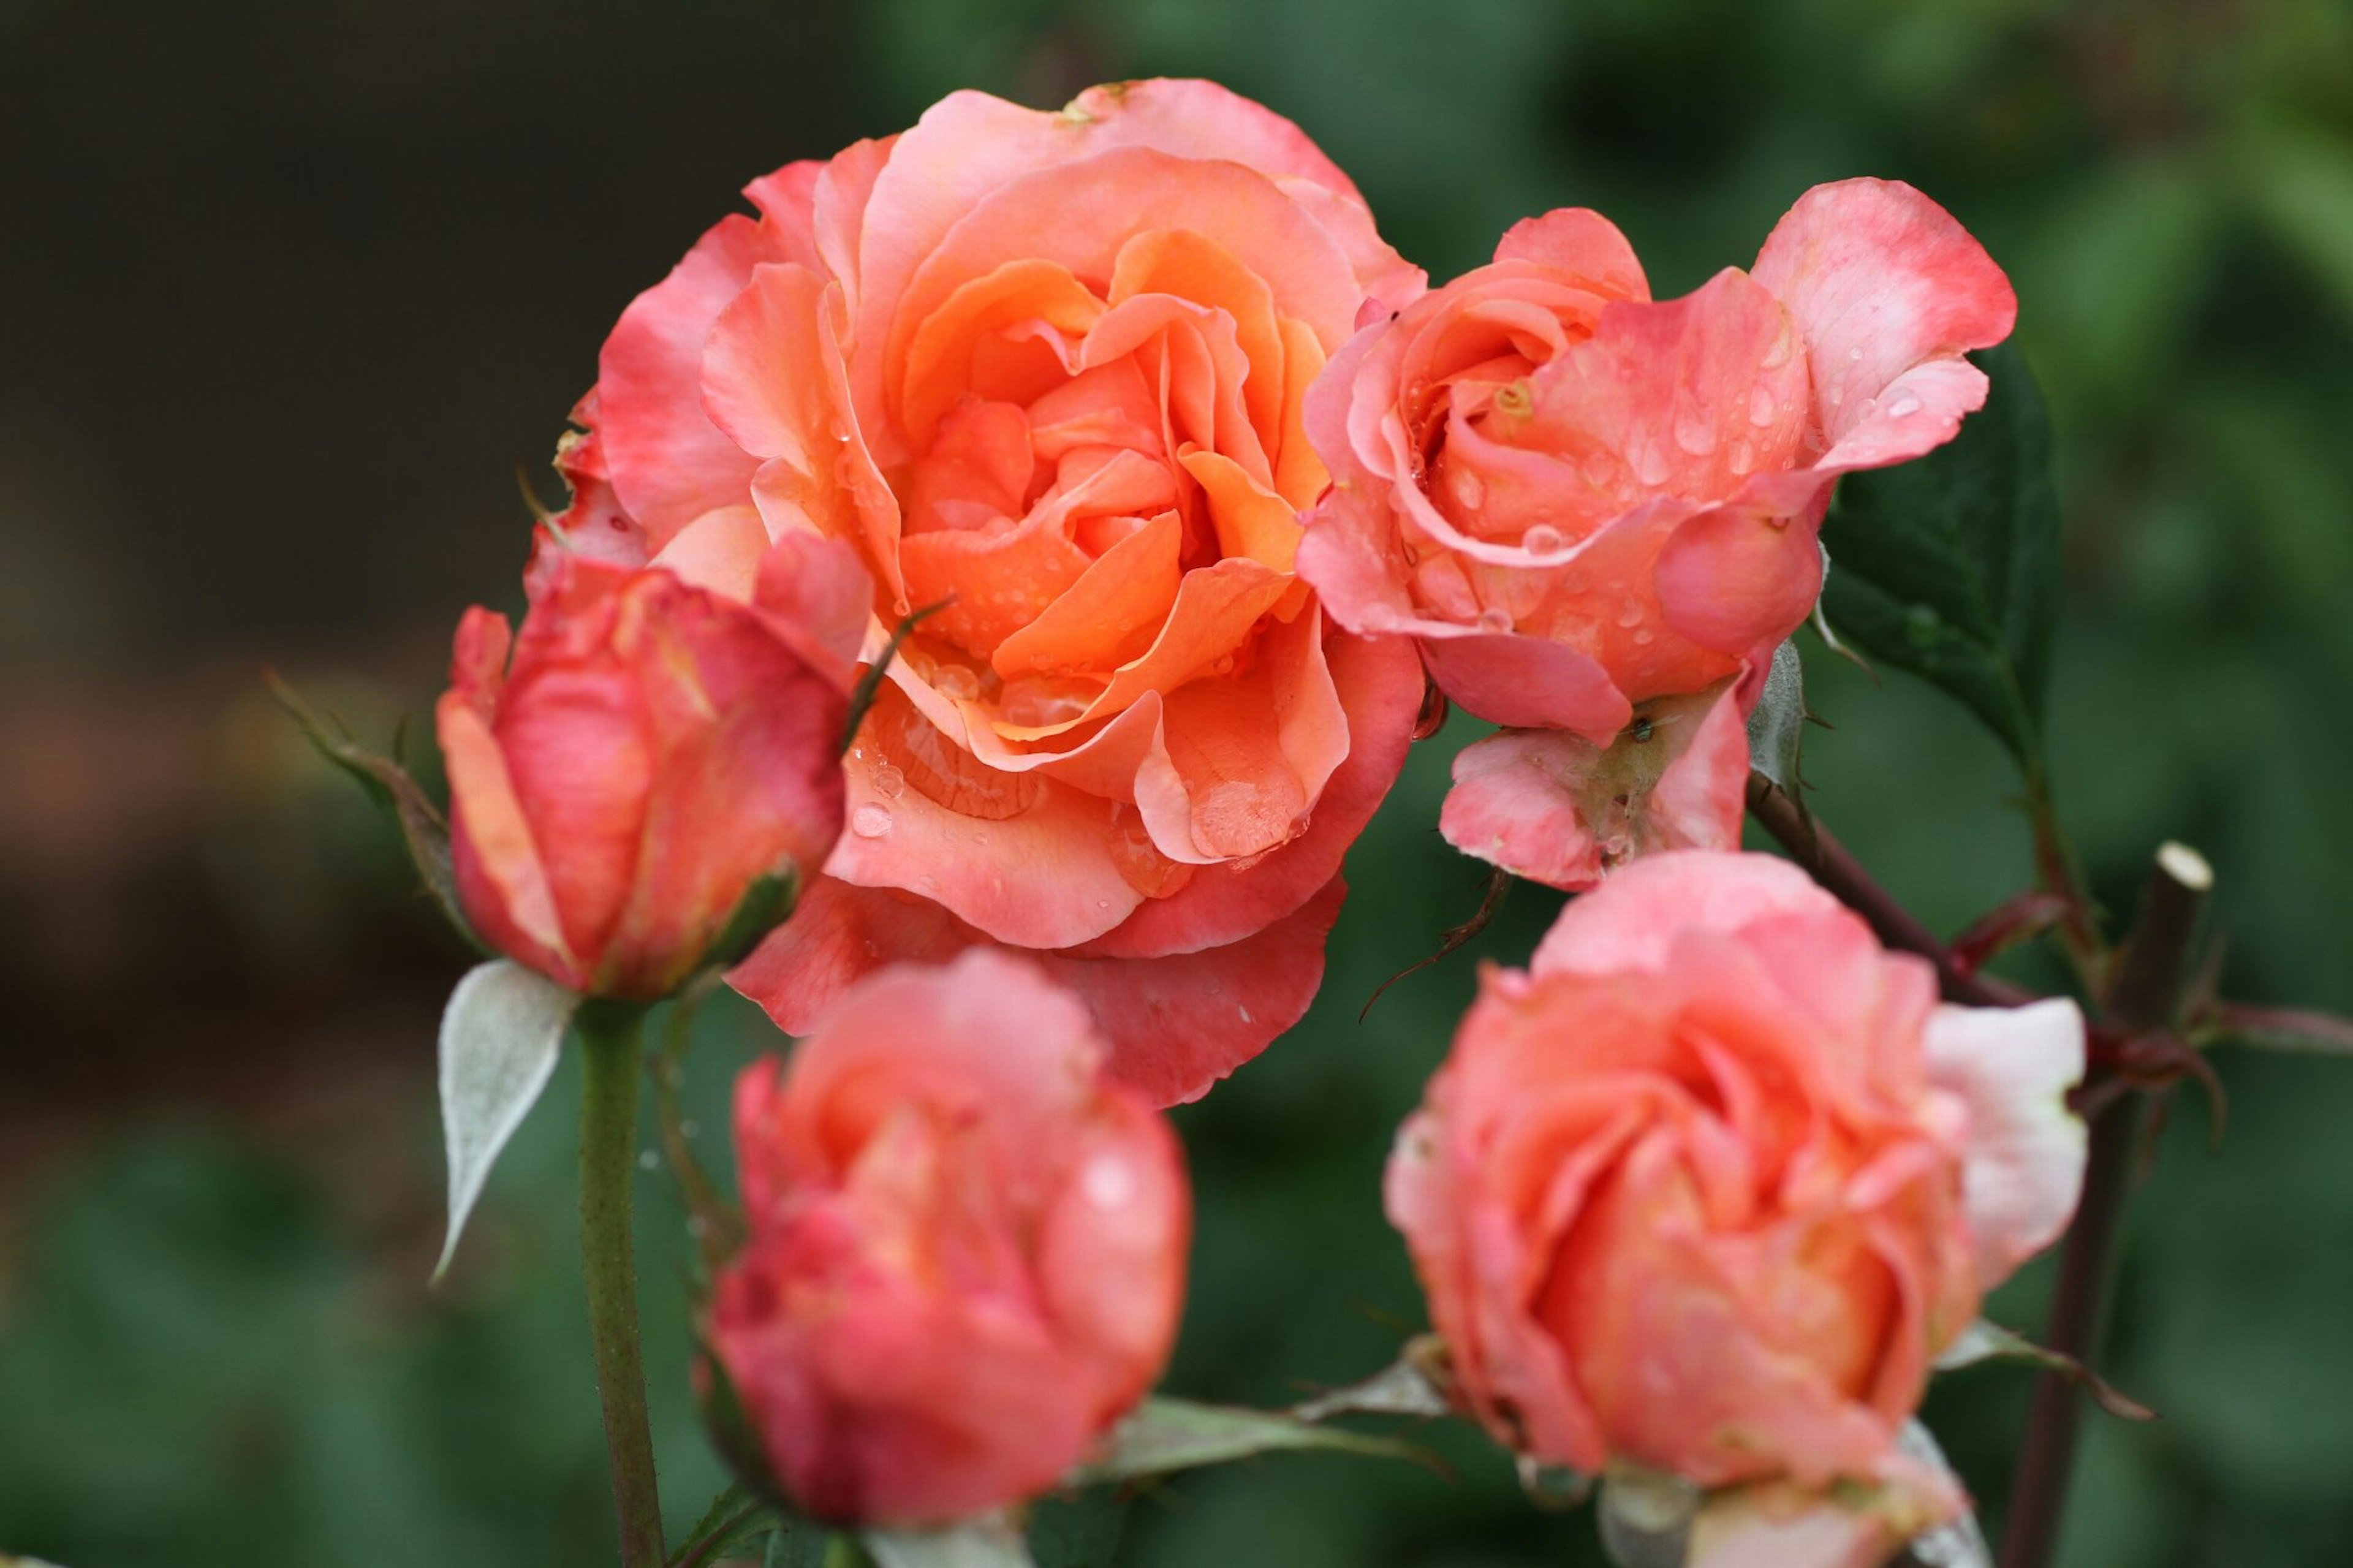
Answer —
611 1052
2151 974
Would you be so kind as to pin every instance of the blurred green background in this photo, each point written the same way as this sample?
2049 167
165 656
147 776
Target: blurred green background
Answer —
290 290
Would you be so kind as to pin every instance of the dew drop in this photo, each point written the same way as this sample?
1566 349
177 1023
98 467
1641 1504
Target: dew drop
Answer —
870 821
1694 431
1855 352
1643 638
1544 539
1244 1014
1904 407
1382 618
1469 490
1761 405
1631 616
1740 457
888 782
1495 618
1650 465
649 1161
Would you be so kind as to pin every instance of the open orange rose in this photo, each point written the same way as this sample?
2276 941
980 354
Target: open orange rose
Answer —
1047 371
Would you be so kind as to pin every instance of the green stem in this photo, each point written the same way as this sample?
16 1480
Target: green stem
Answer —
612 1054
2062 872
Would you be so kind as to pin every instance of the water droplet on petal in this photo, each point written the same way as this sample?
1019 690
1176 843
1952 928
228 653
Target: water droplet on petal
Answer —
1544 539
1740 457
1469 490
1494 618
1631 616
1904 407
1650 465
1855 352
887 782
870 821
1643 638
1382 618
1761 405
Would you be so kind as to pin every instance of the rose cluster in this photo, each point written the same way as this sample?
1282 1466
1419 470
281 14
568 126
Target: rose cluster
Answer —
1157 498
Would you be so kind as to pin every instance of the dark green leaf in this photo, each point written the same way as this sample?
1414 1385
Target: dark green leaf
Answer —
1948 566
422 827
1168 1434
1776 726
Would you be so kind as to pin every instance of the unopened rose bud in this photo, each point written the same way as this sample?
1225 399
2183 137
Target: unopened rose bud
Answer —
651 755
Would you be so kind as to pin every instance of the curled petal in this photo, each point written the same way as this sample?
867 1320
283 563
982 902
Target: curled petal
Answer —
2013 1066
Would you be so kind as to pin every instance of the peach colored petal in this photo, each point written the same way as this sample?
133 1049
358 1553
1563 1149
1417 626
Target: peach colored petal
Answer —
819 599
1251 521
1661 896
787 202
1080 216
1176 1023
500 874
1686 397
969 147
1581 245
1300 475
1021 292
1026 859
1215 607
995 580
1878 279
1735 581
1115 606
1224 747
1563 811
721 551
837 205
1377 683
1527 683
668 462
775 379
1189 266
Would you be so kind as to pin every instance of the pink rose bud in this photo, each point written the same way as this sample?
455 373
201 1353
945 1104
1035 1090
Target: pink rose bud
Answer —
1578 501
1706 1189
968 1245
650 751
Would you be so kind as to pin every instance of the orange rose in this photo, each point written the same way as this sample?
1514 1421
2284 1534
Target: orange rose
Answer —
1046 372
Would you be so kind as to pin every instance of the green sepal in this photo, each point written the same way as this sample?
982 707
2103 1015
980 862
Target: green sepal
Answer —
424 831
